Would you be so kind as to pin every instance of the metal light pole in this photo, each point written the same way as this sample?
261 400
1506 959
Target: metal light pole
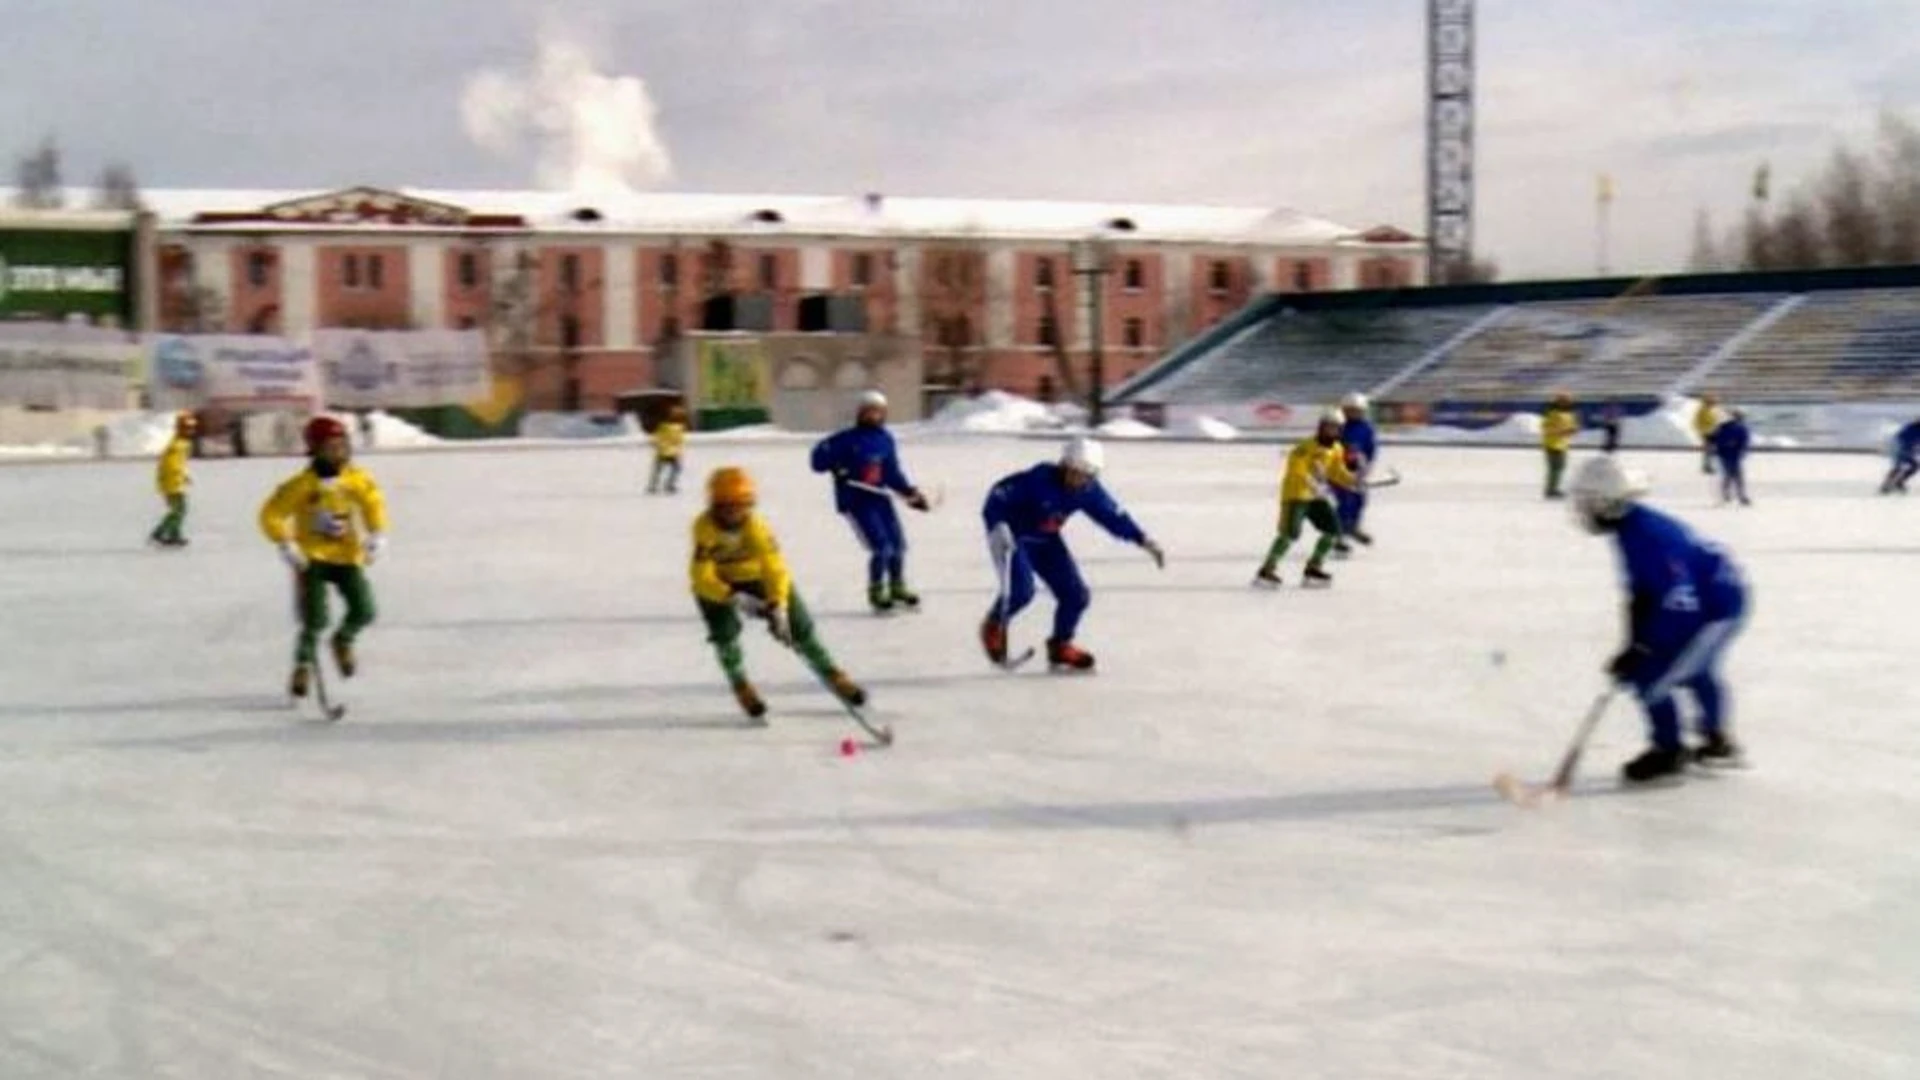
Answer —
1091 260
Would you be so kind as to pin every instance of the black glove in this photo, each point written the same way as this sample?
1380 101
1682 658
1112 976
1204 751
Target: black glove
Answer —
1623 666
917 500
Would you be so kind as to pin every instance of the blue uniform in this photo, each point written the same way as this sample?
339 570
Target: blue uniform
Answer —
866 455
1686 602
1906 459
1032 506
1358 438
1729 442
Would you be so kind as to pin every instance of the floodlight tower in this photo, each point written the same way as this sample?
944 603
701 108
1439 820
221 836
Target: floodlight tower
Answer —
1449 139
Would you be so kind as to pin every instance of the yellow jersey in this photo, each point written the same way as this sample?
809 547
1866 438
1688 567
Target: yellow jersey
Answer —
326 516
172 478
726 558
1705 419
669 436
1311 467
1558 427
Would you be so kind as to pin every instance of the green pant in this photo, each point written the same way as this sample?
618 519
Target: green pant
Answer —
723 630
1556 467
354 588
168 531
1318 512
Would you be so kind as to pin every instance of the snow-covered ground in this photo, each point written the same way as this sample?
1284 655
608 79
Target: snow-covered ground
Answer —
1262 842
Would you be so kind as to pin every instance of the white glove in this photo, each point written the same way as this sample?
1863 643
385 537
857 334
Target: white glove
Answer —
778 624
372 546
1000 543
749 605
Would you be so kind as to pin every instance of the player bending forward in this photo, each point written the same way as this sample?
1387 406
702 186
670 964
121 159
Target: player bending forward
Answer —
329 521
1906 459
1315 467
738 570
1024 514
1685 604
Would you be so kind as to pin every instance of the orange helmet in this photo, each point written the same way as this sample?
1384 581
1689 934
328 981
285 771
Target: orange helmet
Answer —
730 484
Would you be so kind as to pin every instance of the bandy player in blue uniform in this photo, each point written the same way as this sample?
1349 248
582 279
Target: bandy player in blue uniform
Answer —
1730 441
1024 514
866 473
1685 603
1906 459
1357 438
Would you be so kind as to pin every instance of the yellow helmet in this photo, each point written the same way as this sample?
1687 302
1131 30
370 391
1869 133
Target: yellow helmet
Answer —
730 484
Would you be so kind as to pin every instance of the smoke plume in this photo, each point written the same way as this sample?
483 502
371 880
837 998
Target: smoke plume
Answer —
585 131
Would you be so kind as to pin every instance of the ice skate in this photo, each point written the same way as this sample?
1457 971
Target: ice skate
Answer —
993 638
343 656
1716 751
1654 764
1316 578
904 596
844 686
749 699
879 599
1065 656
1267 577
302 677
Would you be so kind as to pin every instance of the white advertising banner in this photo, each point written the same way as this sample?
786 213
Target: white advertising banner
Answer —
55 366
237 372
365 369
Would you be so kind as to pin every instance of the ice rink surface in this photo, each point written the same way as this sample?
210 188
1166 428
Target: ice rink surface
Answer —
1262 842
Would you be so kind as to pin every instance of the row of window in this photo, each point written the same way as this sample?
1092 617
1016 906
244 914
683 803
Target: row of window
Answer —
1133 333
370 272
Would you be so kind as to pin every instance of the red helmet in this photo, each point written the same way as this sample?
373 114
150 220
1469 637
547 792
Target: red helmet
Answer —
321 429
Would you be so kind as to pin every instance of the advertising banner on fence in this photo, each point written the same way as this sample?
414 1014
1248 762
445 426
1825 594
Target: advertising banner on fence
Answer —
53 366
366 369
239 372
1249 416
731 383
63 273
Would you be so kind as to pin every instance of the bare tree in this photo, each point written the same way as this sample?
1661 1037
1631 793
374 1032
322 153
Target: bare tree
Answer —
117 190
1797 241
1898 191
38 185
1858 212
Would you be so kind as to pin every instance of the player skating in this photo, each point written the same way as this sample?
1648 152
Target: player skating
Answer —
329 522
1729 441
1024 514
1361 444
737 569
669 441
1558 425
1706 419
1685 603
1906 459
1316 467
172 480
865 466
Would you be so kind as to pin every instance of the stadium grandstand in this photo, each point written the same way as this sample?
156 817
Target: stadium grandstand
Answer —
1832 335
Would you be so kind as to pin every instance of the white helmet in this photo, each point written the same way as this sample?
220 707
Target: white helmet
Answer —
872 399
1084 455
1355 400
1334 417
1602 491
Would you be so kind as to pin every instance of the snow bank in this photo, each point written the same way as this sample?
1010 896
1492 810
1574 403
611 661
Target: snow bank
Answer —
134 434
997 412
391 432
1669 426
1126 427
1205 427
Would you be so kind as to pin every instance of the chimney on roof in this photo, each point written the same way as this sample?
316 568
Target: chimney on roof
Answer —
874 200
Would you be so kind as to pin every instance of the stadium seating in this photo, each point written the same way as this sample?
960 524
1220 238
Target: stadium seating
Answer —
1315 357
1851 345
1627 346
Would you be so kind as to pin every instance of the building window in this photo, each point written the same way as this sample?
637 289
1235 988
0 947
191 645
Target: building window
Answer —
1047 333
350 271
570 272
259 268
769 272
862 269
1134 276
569 332
1043 275
1219 277
1303 277
1135 333
669 270
468 269
376 271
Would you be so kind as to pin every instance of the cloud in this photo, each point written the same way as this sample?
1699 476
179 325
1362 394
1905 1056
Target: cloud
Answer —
588 132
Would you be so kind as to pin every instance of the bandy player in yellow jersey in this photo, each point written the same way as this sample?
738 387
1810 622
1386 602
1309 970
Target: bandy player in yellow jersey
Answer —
1314 466
172 480
329 521
737 570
